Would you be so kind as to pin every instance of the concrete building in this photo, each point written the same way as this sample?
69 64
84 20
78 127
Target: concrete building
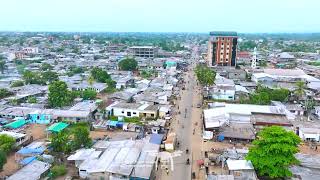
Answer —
222 49
144 51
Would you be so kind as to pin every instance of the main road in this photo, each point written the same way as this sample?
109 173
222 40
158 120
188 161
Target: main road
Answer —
184 126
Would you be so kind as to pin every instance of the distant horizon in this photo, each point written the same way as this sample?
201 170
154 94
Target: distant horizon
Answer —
191 16
4 31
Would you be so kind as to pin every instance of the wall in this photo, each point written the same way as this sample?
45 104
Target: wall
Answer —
118 112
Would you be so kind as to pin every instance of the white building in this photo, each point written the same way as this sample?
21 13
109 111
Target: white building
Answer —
309 134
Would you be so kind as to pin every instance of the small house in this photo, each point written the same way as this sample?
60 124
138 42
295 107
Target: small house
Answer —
309 134
241 169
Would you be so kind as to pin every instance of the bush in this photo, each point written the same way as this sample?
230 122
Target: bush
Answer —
3 159
17 84
58 170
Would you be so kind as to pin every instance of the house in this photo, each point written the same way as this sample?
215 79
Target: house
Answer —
129 159
33 171
83 154
296 109
20 138
237 131
309 134
261 120
223 113
133 110
285 57
224 89
241 169
33 149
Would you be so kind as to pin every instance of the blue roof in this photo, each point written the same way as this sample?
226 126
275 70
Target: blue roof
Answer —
156 138
112 123
26 150
27 160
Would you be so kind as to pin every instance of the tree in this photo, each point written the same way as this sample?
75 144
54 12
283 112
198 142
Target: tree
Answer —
2 65
89 94
3 159
32 78
7 143
46 67
59 95
5 93
100 75
81 137
128 64
49 76
58 170
273 152
32 100
17 83
299 91
205 75
60 142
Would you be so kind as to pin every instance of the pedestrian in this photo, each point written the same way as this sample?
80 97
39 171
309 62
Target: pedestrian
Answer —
167 171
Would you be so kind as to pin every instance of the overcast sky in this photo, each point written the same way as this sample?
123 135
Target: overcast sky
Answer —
160 15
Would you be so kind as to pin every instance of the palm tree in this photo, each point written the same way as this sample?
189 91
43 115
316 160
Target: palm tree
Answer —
300 89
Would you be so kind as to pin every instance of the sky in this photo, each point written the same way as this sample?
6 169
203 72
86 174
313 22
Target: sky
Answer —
244 16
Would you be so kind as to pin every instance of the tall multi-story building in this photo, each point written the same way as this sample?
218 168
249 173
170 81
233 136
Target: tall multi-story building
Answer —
144 51
222 48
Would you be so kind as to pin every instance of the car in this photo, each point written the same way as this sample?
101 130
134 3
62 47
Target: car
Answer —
198 105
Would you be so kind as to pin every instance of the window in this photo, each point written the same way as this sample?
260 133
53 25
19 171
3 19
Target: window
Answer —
122 112
152 115
221 44
128 113
134 113
222 39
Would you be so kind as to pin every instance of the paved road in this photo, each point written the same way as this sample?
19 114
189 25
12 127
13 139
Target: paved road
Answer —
183 127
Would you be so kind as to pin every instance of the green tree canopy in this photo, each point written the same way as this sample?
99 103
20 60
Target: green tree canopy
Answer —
3 159
46 67
273 152
59 95
128 64
7 143
89 94
5 93
60 142
100 75
81 137
17 83
205 75
49 76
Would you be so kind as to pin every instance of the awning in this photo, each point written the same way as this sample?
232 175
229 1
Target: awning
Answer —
57 127
16 124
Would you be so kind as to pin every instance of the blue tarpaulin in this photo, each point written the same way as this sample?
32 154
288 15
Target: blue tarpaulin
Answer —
119 124
220 138
156 138
26 150
27 160
112 123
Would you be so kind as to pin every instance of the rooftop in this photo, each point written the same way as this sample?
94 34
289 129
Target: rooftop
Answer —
239 165
223 33
32 171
